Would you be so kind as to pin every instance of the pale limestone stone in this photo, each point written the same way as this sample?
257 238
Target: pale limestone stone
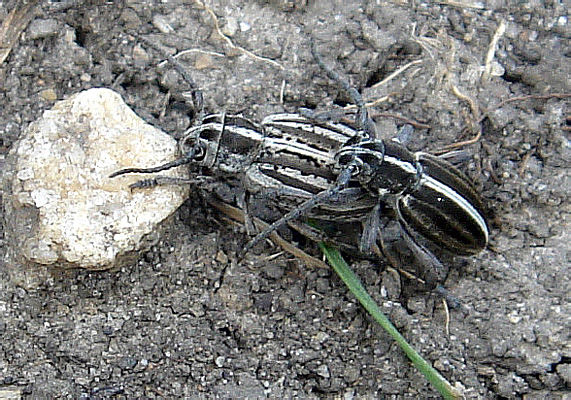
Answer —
61 207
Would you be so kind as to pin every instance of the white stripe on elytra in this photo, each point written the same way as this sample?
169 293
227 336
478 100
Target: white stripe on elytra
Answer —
404 165
445 190
338 132
448 192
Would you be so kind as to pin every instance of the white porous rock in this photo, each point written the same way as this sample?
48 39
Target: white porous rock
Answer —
61 207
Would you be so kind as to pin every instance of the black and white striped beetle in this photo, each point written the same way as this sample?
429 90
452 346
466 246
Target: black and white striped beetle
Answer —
288 158
429 195
334 172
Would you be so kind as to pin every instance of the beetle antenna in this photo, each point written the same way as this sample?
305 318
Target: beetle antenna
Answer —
196 94
186 159
363 120
340 184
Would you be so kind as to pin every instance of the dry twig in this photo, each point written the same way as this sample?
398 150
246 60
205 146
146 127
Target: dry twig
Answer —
535 97
462 4
13 26
492 51
475 126
396 73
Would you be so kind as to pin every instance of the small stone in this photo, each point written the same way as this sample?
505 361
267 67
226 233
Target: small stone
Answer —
140 57
351 373
417 305
221 257
8 393
497 69
273 270
244 26
443 365
564 371
231 27
323 371
48 94
197 310
161 23
513 317
61 207
203 61
391 284
41 28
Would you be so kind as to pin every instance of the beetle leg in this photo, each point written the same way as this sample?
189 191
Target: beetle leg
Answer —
404 134
435 271
161 180
370 230
243 200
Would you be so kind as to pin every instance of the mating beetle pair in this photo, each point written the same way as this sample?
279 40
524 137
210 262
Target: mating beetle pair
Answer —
335 172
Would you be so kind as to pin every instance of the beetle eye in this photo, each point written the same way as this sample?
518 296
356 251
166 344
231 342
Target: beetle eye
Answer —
357 171
199 152
345 156
187 143
358 165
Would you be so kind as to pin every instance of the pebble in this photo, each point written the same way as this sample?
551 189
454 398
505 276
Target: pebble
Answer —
41 28
61 207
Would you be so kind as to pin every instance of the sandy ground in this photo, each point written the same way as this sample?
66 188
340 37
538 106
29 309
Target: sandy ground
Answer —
187 320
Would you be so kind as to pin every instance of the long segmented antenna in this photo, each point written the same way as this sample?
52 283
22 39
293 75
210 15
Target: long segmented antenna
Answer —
350 169
342 181
197 98
362 114
189 157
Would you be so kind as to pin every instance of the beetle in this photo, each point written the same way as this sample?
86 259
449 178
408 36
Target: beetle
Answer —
337 172
430 197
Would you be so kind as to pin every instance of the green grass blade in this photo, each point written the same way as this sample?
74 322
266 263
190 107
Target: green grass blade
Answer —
355 286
